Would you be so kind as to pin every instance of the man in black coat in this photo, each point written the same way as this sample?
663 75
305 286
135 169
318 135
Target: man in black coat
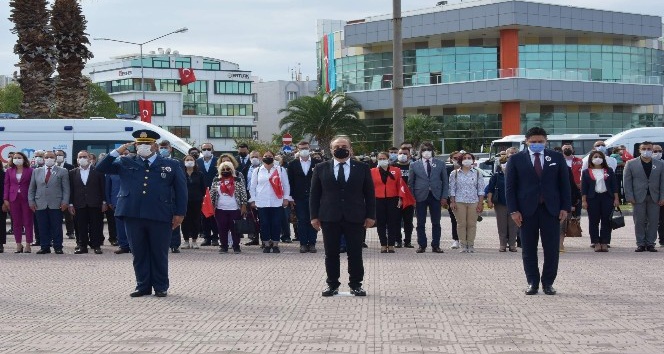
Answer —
87 204
300 172
342 202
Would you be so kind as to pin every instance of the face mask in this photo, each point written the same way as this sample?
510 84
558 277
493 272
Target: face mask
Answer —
164 152
402 158
18 162
39 160
207 153
597 161
277 163
373 159
304 153
426 154
383 163
657 155
83 162
59 159
467 163
341 153
144 150
189 163
567 152
268 160
600 148
255 161
226 173
536 147
195 155
49 162
646 153
317 160
242 154
393 156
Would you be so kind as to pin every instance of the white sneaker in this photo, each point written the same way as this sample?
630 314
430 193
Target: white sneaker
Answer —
463 249
195 245
471 249
455 245
186 245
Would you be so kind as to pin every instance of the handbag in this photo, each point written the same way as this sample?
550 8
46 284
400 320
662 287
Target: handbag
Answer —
617 221
573 227
244 226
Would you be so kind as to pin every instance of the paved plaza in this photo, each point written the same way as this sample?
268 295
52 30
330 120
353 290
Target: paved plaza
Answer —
270 303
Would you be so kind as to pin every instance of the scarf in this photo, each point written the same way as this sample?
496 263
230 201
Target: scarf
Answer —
227 186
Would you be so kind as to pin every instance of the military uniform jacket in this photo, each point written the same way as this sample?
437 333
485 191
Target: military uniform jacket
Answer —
156 193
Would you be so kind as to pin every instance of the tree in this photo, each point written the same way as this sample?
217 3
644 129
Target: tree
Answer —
71 91
420 128
10 99
99 103
37 59
322 117
258 145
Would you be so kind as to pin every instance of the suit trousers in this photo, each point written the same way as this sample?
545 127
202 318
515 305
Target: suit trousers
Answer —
407 222
306 233
541 222
455 231
507 228
353 234
209 226
433 205
191 225
285 225
112 228
89 227
50 224
69 223
123 241
387 220
646 218
660 229
149 248
600 211
176 238
22 217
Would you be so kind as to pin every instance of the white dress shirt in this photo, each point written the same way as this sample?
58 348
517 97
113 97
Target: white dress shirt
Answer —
600 184
306 165
346 169
261 190
85 173
532 158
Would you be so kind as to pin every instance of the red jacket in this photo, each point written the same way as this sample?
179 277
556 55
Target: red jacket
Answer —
393 185
577 163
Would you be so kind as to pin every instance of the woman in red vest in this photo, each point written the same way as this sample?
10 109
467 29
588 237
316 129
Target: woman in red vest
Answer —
387 183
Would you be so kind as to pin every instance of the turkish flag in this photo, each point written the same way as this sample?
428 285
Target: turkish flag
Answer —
145 107
187 76
207 209
407 198
275 181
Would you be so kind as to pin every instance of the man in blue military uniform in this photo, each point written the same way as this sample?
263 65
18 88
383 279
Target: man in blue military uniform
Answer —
152 201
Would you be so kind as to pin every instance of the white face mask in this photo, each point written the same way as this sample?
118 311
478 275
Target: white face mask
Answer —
49 162
189 163
18 162
143 150
207 153
60 159
83 162
304 153
255 161
657 155
39 160
383 163
426 154
597 161
402 158
467 163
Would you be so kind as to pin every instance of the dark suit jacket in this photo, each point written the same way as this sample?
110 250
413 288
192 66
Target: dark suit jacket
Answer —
210 174
244 167
588 184
331 202
300 184
92 194
523 187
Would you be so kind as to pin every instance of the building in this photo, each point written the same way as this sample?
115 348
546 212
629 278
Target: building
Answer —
487 69
217 108
6 80
272 96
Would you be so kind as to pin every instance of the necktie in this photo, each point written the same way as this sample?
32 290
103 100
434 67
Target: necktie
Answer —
428 168
48 175
538 165
341 175
147 164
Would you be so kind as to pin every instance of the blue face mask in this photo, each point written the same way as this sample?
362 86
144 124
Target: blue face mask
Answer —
164 152
393 157
536 147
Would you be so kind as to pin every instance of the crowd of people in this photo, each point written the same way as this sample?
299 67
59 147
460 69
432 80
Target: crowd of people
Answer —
272 191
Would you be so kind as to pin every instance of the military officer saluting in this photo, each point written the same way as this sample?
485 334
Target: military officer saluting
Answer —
152 201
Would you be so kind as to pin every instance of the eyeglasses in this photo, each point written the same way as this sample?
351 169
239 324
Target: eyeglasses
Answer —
426 150
599 145
656 151
206 149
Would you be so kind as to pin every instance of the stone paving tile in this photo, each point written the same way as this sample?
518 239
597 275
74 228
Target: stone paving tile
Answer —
265 303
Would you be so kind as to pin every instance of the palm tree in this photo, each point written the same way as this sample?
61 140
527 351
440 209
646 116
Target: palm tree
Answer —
420 128
323 117
37 58
71 91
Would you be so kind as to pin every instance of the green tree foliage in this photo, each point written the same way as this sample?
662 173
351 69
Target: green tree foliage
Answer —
100 104
11 97
420 127
258 145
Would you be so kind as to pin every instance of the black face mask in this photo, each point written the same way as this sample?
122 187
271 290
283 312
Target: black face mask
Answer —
194 155
243 154
226 173
316 160
341 153
567 152
268 160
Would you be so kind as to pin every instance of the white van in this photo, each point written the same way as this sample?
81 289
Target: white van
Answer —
73 135
634 137
582 143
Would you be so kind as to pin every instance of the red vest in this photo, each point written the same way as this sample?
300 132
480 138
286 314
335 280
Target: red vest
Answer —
391 187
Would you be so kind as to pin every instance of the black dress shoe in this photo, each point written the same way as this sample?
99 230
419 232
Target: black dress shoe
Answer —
81 251
342 249
267 249
252 243
43 251
420 250
640 249
214 243
160 293
398 245
286 240
549 290
114 243
2 249
35 244
138 293
175 250
531 290
121 251
206 243
98 251
275 249
59 251
408 245
437 250
651 248
364 245
358 292
330 291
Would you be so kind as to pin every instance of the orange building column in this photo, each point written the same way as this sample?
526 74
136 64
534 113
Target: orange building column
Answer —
509 63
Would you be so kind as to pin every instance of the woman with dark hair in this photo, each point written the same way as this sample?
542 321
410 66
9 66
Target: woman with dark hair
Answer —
599 195
191 225
467 200
387 183
15 194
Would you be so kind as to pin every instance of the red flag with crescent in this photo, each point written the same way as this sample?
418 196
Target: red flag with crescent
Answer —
407 198
145 108
207 209
187 76
275 181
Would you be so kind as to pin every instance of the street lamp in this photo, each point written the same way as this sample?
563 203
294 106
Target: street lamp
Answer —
181 30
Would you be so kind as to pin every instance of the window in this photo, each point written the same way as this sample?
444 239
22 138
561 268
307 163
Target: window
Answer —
255 116
232 88
183 62
158 108
254 97
292 95
229 131
181 131
161 62
210 65
131 107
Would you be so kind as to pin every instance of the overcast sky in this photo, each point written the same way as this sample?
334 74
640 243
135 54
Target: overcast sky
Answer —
266 37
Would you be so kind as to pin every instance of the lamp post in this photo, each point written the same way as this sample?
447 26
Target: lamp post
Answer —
397 75
181 30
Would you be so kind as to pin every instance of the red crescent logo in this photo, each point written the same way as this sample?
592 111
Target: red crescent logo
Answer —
186 72
2 154
145 113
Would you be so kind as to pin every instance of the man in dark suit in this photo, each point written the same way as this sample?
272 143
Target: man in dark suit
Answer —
300 172
538 199
61 161
243 160
87 204
152 201
208 165
342 202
